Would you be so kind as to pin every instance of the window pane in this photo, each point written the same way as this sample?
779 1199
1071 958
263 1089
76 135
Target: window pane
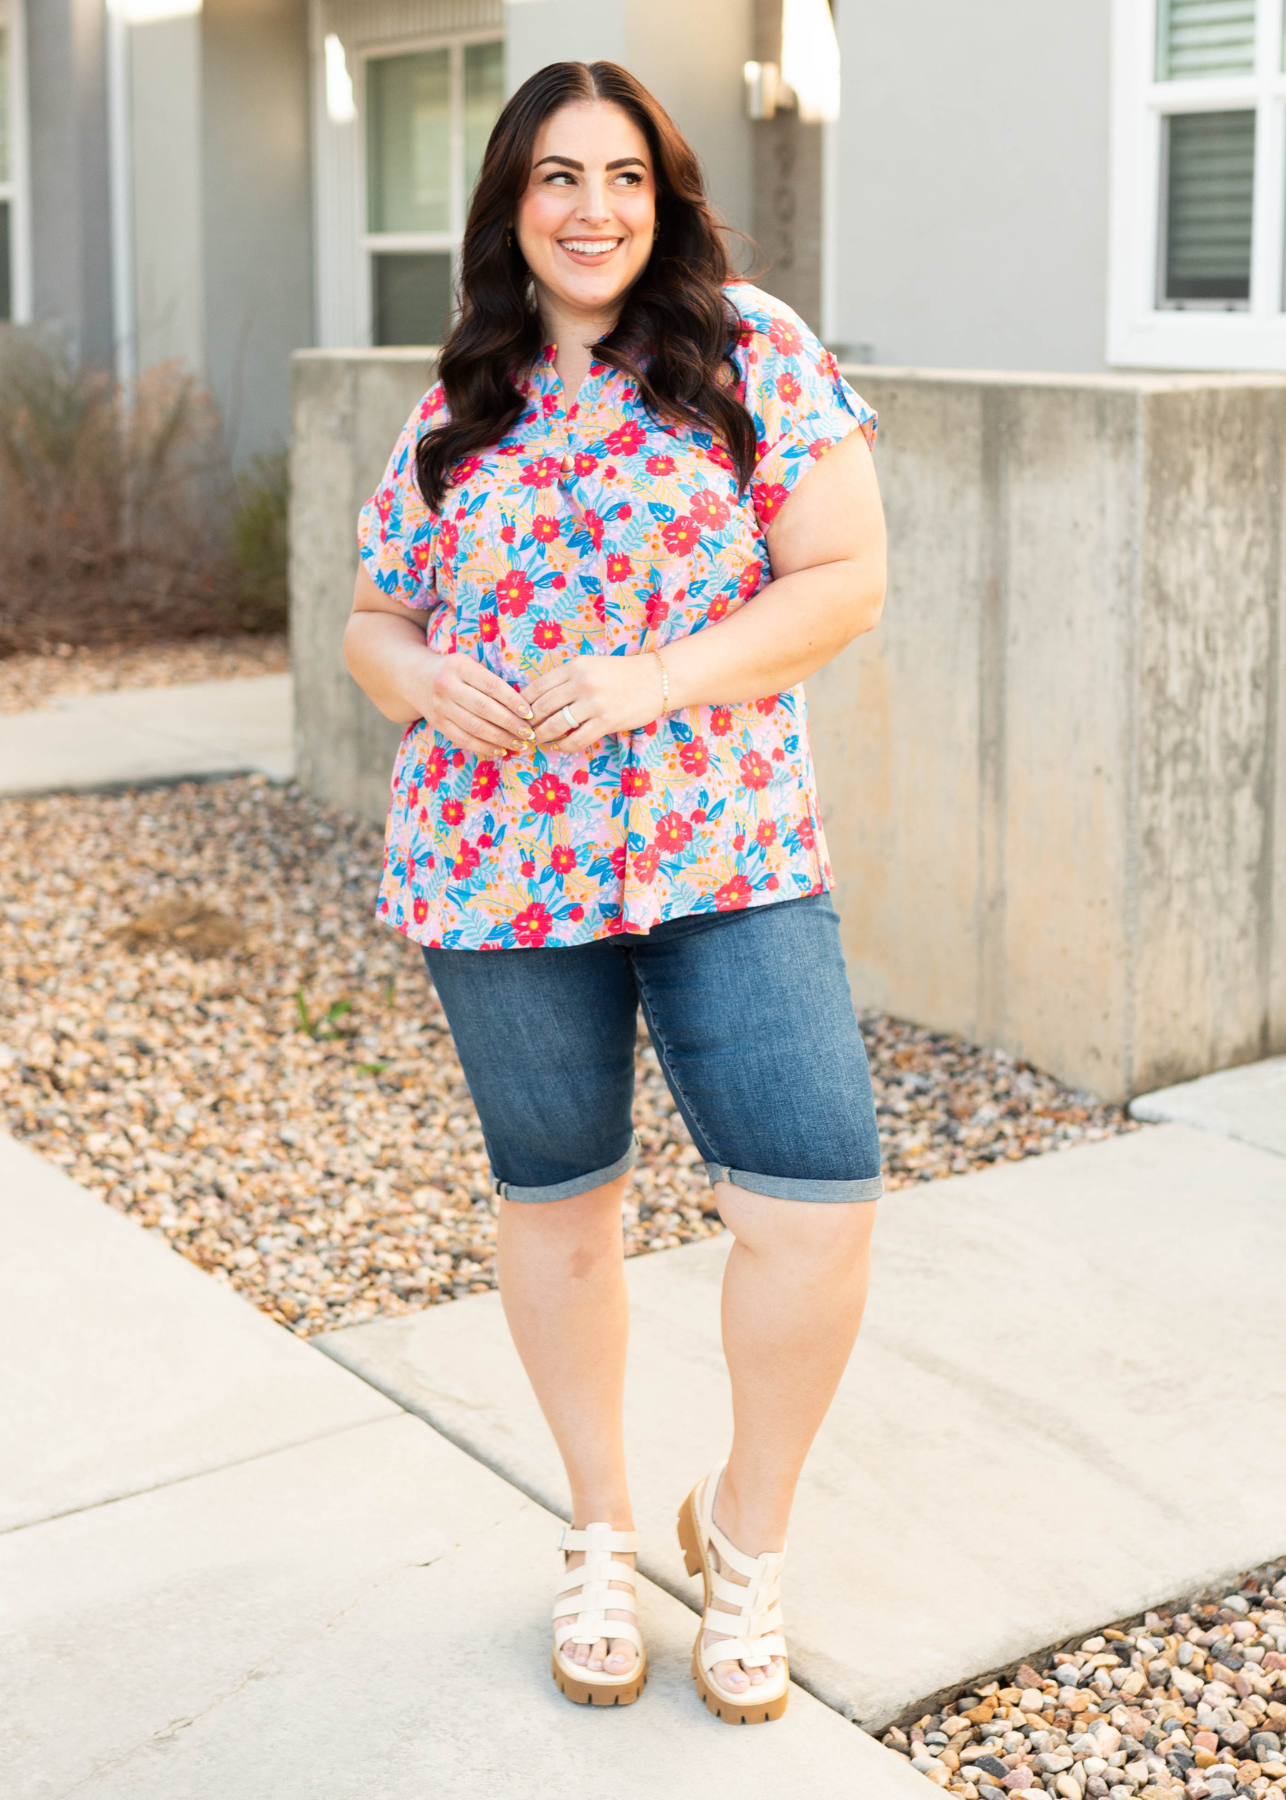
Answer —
1211 184
4 105
412 297
408 142
6 289
1205 37
484 95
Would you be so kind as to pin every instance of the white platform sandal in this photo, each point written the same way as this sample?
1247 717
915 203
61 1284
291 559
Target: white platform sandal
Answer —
754 1623
587 1590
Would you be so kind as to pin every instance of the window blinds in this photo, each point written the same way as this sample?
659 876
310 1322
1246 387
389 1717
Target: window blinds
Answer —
1211 183
1197 38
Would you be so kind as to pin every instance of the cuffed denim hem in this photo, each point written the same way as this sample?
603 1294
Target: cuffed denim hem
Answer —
780 1187
565 1190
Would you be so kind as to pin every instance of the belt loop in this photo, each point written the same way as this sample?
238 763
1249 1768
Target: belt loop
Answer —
498 1188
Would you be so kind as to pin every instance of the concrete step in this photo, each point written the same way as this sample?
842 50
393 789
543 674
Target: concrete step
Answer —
83 742
1248 1103
1038 1433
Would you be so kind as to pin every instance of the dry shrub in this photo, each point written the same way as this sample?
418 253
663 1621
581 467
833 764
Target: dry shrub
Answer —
122 523
188 925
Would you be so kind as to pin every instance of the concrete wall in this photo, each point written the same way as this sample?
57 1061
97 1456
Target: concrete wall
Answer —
258 287
348 408
70 196
165 173
691 56
1054 780
971 200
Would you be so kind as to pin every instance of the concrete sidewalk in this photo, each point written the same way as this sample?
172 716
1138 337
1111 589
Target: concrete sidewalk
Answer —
1035 1435
1248 1103
234 1569
82 742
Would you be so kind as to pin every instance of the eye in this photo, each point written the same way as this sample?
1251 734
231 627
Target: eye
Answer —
558 175
631 178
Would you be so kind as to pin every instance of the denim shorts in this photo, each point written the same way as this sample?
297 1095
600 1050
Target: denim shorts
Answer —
753 1025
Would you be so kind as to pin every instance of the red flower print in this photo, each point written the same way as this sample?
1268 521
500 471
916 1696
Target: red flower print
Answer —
510 449
739 842
436 767
818 448
507 534
420 554
542 473
466 861
656 612
619 568
784 338
486 841
594 526
560 581
585 464
577 913
562 859
488 627
788 388
681 535
766 834
672 832
748 580
465 471
778 755
772 882
769 498
755 772
452 812
514 592
486 779
646 864
600 609
528 868
545 529
448 539
717 455
547 635
413 795
718 608
457 756
805 833
709 509
581 777
618 862
635 781
626 511
627 439
384 503
698 815
720 721
419 910
659 465
548 794
532 926
733 895
767 704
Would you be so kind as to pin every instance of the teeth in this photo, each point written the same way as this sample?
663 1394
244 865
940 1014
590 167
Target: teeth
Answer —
594 247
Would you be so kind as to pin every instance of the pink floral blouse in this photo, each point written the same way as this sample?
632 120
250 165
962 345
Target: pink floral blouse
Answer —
712 807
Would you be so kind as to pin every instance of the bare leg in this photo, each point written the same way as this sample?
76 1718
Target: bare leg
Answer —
562 1279
793 1294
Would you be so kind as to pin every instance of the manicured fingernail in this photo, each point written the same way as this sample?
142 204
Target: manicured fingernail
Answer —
530 713
529 734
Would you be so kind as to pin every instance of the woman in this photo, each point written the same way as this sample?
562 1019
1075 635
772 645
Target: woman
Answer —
638 510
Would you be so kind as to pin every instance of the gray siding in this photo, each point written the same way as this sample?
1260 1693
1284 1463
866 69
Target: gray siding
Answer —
972 183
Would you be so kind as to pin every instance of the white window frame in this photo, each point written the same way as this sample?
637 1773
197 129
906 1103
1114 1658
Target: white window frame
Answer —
374 242
1140 332
17 189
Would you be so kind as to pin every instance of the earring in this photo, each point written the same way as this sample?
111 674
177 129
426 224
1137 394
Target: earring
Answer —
509 234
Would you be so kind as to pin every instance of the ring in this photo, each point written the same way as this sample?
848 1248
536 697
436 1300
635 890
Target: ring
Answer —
571 718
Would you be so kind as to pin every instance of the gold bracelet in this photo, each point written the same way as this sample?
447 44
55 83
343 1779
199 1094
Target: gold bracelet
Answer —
665 686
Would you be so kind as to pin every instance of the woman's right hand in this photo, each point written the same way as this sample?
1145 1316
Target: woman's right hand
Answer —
468 704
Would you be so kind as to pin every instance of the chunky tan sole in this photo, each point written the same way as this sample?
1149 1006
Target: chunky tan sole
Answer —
600 1693
745 1711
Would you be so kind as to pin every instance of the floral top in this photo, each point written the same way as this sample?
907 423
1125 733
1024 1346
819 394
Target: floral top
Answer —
712 807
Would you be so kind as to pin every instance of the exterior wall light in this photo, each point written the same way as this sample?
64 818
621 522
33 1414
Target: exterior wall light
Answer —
810 58
763 90
341 108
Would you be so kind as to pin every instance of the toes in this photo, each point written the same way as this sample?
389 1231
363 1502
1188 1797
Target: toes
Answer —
598 1654
756 1675
730 1675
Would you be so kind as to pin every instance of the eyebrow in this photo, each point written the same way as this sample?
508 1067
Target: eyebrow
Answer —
568 162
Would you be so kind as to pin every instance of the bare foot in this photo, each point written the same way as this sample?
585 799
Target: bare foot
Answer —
609 1656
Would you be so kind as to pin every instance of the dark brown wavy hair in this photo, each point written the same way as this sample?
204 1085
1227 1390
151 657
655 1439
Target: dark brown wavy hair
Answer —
676 332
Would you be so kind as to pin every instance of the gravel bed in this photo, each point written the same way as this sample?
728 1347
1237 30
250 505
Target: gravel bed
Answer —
201 1021
28 681
1189 1700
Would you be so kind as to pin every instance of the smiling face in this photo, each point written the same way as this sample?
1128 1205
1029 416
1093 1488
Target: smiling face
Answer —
585 222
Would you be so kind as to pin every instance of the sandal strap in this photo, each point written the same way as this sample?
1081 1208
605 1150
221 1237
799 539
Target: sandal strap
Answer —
757 1651
595 1596
596 1573
599 1536
590 1627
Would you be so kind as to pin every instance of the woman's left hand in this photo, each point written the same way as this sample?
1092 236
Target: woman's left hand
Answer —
603 694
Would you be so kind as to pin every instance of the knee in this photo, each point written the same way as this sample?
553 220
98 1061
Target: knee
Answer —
837 1233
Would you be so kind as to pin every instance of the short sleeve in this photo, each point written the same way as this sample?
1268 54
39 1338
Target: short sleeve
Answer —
800 403
396 532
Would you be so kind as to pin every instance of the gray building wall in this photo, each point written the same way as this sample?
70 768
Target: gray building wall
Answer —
690 55
258 290
70 194
972 183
